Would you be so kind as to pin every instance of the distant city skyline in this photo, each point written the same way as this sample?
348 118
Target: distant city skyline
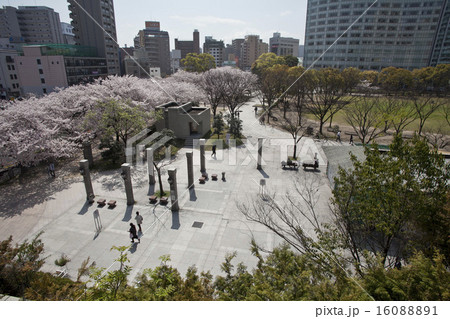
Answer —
222 20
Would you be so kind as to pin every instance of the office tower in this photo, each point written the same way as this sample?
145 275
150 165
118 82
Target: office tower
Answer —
94 25
251 50
283 46
186 47
156 44
215 48
398 33
31 24
441 45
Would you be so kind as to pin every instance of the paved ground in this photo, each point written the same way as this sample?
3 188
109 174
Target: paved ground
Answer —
68 222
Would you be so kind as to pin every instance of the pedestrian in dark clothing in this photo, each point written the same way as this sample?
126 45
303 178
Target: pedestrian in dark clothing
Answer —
51 169
351 139
256 110
133 233
213 150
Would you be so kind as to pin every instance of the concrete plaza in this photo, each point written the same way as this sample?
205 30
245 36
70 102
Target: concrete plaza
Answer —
68 222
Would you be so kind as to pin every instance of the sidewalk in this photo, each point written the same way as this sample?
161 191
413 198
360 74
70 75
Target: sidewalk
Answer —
68 223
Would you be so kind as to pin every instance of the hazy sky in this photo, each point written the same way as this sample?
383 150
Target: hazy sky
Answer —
224 20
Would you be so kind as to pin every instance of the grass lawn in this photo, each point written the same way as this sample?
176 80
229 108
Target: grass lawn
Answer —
434 123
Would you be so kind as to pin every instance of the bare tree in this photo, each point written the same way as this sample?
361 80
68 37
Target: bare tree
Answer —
401 114
425 106
212 83
238 86
367 117
294 218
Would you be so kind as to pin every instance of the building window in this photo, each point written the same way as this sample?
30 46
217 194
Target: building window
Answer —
41 71
38 61
43 81
44 90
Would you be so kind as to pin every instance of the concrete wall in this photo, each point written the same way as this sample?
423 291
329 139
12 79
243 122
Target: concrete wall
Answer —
181 119
53 72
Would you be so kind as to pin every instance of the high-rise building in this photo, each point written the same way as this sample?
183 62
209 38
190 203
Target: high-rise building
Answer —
189 46
33 24
9 24
441 45
156 44
175 60
283 46
9 81
237 46
251 50
94 25
400 33
215 48
67 31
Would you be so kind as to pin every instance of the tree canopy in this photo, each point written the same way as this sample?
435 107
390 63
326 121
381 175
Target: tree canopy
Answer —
198 62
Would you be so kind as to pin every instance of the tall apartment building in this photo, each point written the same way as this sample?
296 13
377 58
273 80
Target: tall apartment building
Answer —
34 24
237 46
282 46
400 33
9 24
251 49
156 44
189 46
94 26
215 48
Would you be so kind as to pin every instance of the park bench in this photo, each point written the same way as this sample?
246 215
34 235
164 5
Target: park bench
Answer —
290 164
214 177
112 203
164 201
202 180
101 201
314 165
153 199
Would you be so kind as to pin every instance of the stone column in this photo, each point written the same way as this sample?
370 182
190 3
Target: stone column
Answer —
126 175
202 156
190 169
260 145
84 170
150 166
140 154
173 189
87 153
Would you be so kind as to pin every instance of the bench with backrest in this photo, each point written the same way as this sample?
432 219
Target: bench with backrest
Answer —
290 164
314 164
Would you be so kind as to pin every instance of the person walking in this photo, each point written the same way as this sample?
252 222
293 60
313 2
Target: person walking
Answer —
213 151
139 220
51 169
133 233
338 137
351 139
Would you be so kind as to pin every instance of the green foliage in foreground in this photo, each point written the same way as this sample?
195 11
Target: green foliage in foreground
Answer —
281 275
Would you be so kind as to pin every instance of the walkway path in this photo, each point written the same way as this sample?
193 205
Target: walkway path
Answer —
208 226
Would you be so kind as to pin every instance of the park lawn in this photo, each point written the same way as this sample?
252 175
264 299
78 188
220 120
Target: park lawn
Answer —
435 123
